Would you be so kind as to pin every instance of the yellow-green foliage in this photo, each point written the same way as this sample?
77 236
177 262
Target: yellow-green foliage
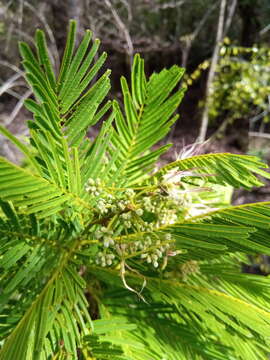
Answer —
241 86
105 256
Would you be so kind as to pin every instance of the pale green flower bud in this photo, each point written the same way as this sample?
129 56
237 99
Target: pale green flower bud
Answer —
154 257
91 181
109 262
139 212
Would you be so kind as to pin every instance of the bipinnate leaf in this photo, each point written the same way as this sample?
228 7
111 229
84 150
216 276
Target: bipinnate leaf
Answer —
101 256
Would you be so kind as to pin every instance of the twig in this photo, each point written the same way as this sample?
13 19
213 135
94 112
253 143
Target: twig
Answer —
203 20
258 134
18 106
13 93
194 34
221 32
171 5
54 52
122 27
123 265
25 35
12 67
265 29
10 83
5 9
211 74
129 10
229 17
8 36
259 116
220 131
20 17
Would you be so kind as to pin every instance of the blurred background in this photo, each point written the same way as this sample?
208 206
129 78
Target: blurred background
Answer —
223 44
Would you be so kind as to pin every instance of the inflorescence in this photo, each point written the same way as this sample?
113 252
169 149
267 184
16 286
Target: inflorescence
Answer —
127 212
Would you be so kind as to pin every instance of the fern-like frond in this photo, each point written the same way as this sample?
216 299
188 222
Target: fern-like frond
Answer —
34 194
86 227
221 168
58 314
223 304
214 315
148 117
161 331
255 216
60 105
64 108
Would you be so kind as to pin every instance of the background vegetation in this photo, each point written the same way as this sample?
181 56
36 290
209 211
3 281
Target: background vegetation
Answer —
165 32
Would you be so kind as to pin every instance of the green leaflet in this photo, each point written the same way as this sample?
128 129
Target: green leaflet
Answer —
147 119
101 255
224 168
33 193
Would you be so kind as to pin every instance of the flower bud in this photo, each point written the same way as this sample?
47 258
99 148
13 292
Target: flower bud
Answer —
139 212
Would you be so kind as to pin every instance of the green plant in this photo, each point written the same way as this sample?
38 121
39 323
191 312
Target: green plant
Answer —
241 87
101 254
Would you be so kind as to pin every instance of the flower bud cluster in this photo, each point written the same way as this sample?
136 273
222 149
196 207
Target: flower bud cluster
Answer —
149 204
162 206
93 186
105 259
156 254
105 235
123 201
167 216
106 202
132 216
126 219
134 219
151 251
